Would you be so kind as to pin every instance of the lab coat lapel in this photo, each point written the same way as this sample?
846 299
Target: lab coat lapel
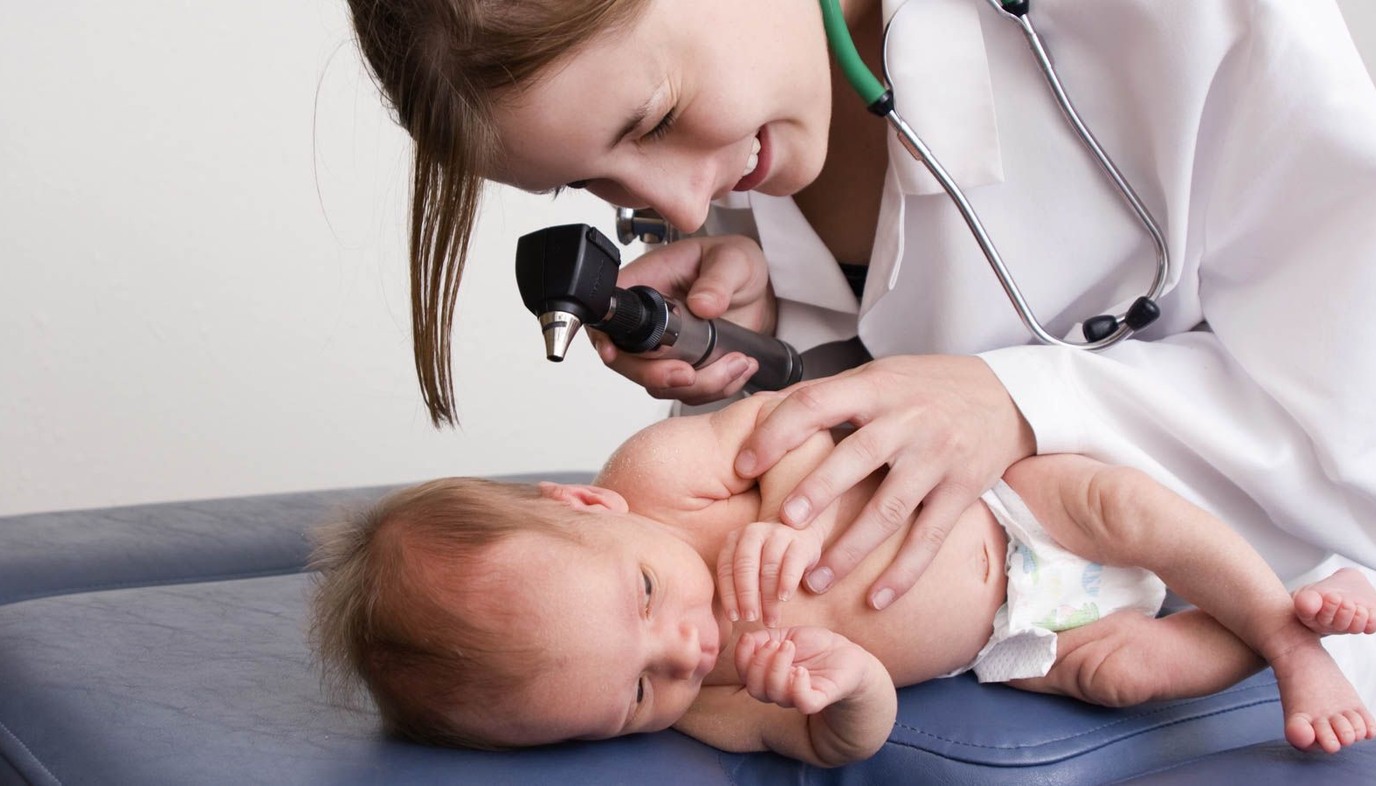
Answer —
940 76
937 67
800 266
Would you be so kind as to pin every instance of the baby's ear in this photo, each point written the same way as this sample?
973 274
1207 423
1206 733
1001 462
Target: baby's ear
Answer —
583 497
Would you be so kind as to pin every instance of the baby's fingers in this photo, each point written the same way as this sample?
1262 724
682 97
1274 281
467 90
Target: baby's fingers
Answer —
726 576
779 674
771 563
746 572
805 698
781 573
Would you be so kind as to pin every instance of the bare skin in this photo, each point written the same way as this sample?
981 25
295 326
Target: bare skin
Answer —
1106 514
1341 603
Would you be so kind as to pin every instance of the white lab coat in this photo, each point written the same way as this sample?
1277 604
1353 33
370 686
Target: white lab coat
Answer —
1249 129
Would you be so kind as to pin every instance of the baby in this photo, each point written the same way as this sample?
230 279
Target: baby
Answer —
499 615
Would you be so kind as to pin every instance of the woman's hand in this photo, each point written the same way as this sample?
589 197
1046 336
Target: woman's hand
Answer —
713 277
945 427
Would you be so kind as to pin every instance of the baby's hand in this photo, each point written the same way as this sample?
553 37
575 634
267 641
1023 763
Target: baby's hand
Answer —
805 668
761 565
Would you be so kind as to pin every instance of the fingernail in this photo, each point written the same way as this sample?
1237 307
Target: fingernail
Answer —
750 616
745 463
882 598
796 510
784 594
680 379
733 616
738 367
819 580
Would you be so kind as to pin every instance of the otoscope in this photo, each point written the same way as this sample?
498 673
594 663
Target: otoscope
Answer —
567 278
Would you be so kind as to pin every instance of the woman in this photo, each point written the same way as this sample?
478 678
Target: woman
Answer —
1244 127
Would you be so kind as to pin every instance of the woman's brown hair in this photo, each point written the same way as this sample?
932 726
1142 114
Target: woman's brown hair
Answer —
443 65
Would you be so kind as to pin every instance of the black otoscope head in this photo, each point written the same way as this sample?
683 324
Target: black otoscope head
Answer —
570 268
567 277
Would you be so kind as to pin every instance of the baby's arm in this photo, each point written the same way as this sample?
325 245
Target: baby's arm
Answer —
1120 516
762 563
810 694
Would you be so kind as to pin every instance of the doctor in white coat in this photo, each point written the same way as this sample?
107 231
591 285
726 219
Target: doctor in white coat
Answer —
1249 130
1247 127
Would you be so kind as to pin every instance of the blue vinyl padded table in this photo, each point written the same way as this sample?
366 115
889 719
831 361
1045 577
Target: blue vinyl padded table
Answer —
166 644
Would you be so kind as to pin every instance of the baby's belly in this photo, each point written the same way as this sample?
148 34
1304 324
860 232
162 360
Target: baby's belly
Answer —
941 623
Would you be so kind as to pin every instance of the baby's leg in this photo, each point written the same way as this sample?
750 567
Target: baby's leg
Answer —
1342 603
1128 658
1118 516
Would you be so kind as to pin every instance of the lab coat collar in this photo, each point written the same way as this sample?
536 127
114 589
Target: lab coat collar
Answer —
801 268
939 72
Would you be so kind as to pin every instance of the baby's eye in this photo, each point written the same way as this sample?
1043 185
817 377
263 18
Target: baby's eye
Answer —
649 589
640 690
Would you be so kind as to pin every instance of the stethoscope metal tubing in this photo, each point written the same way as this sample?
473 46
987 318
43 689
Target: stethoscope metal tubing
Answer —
919 150
1163 264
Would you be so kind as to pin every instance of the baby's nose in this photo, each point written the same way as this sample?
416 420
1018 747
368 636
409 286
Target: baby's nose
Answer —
683 651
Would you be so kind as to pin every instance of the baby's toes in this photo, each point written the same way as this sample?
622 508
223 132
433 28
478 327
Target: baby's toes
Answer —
1326 736
1365 725
1328 614
1299 731
1364 621
1342 729
1308 603
1343 616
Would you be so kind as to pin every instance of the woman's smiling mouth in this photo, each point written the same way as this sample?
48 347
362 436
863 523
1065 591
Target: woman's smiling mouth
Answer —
756 164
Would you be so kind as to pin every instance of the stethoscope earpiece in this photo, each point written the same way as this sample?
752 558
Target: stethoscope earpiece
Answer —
1143 312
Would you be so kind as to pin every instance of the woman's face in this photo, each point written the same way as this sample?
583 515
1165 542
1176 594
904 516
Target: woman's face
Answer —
693 99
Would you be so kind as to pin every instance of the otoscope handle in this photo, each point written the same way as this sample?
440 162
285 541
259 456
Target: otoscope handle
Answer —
643 320
780 363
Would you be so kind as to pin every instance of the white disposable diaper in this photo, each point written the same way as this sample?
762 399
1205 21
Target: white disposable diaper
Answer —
1049 590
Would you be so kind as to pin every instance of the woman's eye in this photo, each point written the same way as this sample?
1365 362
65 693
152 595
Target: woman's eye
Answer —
640 690
662 127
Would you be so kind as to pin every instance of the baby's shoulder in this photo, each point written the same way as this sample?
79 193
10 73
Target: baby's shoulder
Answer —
683 462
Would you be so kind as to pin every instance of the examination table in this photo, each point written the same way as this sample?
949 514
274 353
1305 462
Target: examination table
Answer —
165 644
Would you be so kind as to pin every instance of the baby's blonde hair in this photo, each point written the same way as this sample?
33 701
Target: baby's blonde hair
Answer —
444 65
405 606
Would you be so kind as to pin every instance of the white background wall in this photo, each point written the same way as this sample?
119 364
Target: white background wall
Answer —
202 275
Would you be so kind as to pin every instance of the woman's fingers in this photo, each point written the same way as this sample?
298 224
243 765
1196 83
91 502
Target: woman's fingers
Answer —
721 277
945 428
806 409
940 510
886 512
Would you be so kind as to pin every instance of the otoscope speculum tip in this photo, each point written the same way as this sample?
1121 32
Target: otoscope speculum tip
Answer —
559 328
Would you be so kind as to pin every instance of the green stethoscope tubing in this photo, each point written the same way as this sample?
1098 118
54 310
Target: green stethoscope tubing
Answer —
1100 331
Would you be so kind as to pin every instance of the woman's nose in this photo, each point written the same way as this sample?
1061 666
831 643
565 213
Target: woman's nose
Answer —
680 192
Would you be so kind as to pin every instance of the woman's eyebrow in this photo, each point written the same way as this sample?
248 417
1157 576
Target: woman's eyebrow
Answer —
638 116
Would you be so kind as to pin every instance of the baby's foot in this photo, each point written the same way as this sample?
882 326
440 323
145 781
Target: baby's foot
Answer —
1342 603
1322 709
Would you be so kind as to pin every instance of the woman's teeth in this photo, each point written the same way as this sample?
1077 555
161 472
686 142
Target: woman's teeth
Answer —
754 159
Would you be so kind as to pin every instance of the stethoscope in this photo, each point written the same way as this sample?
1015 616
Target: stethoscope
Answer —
1100 331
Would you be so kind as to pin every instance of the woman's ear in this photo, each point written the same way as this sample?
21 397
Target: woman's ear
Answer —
580 497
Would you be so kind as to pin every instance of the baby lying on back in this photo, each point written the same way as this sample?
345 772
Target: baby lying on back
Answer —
492 615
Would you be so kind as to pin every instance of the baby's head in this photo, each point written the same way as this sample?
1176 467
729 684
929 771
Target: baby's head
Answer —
491 615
